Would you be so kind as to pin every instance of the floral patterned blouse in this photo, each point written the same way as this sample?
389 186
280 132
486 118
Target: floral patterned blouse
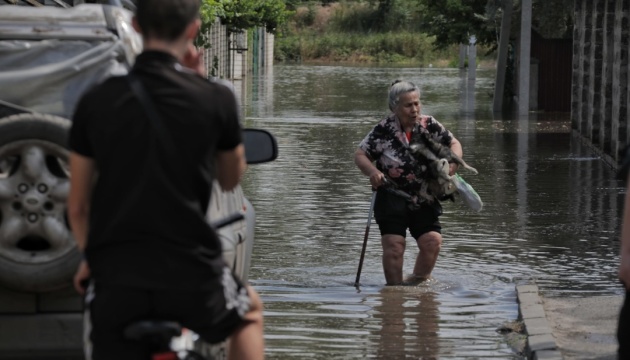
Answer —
387 144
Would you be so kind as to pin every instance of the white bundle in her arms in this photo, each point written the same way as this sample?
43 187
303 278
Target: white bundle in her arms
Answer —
467 193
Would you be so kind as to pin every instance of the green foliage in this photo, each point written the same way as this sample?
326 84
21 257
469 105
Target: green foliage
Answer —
357 17
553 19
288 49
294 4
214 70
447 21
209 11
454 21
395 47
305 18
370 31
241 15
371 16
247 14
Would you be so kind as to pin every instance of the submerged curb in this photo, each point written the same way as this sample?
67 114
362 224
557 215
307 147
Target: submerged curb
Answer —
540 341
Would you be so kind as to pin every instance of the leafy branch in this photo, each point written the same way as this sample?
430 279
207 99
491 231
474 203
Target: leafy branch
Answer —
239 15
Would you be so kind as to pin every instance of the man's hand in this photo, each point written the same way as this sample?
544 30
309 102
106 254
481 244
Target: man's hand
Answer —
192 60
81 276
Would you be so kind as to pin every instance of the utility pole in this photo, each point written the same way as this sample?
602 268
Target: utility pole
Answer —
524 57
504 42
472 57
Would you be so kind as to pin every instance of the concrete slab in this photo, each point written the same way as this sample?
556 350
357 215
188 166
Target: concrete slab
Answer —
521 289
569 328
541 342
547 355
537 326
585 327
529 298
531 311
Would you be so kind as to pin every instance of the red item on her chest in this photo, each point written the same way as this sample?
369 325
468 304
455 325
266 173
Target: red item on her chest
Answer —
408 134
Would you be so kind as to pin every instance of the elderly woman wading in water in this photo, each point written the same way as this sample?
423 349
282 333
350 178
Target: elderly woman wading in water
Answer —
387 145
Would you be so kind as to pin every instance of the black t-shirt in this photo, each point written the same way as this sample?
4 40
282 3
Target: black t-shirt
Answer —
624 167
147 213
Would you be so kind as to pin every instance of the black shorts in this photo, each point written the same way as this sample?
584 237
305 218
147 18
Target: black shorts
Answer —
213 314
394 216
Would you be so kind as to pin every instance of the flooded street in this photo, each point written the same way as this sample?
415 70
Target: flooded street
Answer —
551 210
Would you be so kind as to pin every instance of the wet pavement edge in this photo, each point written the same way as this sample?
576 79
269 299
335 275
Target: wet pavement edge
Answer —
540 341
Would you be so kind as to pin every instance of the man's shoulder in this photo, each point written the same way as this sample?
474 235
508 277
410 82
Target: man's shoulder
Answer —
220 87
195 80
221 83
108 88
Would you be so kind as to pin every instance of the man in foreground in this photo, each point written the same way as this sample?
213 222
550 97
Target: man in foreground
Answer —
148 250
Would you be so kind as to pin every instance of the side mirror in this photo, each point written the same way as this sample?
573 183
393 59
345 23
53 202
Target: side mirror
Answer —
260 146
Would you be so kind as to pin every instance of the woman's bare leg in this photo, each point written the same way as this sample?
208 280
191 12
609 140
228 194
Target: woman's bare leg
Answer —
393 256
430 244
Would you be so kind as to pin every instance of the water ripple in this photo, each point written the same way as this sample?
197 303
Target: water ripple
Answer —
551 211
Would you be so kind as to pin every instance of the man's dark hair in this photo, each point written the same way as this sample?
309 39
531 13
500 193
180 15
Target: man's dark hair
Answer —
165 19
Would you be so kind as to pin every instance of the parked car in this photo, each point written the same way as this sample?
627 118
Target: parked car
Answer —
49 55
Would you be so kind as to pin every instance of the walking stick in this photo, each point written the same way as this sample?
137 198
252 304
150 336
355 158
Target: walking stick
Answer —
365 238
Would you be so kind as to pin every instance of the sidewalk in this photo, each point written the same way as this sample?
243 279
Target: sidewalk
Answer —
569 328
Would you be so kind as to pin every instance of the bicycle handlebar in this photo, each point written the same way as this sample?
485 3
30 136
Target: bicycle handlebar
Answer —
230 219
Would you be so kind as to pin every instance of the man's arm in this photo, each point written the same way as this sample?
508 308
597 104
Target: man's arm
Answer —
364 163
231 166
82 170
456 148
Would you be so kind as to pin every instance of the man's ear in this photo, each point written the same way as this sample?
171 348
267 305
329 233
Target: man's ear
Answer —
192 29
135 25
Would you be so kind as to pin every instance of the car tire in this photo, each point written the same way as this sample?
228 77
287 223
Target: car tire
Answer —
37 250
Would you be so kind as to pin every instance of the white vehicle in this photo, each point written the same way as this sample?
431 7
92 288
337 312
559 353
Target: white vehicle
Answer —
49 55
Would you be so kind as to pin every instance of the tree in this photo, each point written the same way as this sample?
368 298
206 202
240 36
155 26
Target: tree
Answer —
553 19
210 10
246 14
240 15
453 21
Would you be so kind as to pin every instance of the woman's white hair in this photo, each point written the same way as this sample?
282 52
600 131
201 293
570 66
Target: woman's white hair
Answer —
398 88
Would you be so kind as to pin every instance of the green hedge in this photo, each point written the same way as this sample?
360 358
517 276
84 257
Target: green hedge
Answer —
397 47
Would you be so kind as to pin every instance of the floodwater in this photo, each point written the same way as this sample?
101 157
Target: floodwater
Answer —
551 214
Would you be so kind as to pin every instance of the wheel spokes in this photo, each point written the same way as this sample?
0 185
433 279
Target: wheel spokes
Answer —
6 164
6 193
11 230
33 165
56 232
60 191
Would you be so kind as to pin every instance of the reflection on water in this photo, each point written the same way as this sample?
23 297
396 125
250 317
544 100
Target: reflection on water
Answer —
409 323
551 210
